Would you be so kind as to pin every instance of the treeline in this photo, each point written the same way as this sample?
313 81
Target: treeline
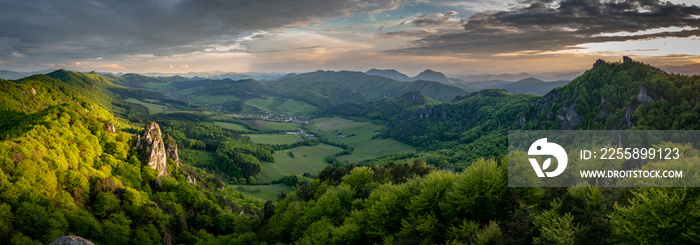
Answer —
367 205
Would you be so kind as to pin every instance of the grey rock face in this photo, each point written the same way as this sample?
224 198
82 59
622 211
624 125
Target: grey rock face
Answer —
171 150
643 96
152 148
71 240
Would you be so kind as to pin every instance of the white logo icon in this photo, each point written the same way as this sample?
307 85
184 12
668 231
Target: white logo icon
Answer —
542 147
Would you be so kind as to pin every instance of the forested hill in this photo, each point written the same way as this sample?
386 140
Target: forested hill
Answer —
333 88
628 95
66 169
242 89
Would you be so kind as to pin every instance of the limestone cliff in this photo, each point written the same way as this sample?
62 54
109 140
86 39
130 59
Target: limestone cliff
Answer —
154 151
171 150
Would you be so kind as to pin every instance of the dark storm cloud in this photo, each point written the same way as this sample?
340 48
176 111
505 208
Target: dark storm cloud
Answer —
545 25
58 29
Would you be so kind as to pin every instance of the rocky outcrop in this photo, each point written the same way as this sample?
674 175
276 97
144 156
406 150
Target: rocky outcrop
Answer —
626 59
643 95
171 150
598 62
71 240
191 180
109 127
569 117
152 148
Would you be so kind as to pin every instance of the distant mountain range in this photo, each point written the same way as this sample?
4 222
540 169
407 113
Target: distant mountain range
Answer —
691 69
13 75
427 75
431 75
517 77
523 83
526 86
337 87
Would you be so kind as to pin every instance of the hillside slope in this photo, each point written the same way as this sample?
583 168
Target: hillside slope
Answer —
66 169
628 95
355 87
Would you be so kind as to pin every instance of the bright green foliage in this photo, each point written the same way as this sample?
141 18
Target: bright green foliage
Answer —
476 193
555 228
654 215
62 172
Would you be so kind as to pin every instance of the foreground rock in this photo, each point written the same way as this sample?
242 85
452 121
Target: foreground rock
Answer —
71 240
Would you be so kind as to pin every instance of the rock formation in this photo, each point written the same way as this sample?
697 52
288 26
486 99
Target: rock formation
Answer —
171 150
154 151
109 127
598 62
71 240
191 180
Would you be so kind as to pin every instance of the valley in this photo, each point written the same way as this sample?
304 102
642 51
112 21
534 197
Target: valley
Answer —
253 154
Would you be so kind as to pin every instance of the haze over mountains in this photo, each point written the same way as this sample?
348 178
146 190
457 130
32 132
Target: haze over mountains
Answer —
522 83
422 82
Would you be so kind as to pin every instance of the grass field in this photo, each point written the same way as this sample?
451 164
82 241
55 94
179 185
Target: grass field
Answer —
295 107
262 104
365 146
264 192
152 108
233 126
307 159
274 139
267 125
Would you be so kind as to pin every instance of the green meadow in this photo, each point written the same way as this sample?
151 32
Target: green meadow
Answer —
264 192
268 125
232 126
359 136
307 159
274 139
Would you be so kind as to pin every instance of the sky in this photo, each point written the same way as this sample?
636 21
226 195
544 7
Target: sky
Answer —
451 36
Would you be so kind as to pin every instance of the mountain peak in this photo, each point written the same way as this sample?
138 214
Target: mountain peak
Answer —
430 75
429 71
389 73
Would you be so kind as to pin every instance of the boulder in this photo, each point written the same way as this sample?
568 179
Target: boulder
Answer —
71 240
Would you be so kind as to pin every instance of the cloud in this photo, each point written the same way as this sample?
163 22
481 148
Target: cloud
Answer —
310 47
59 30
437 19
547 25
